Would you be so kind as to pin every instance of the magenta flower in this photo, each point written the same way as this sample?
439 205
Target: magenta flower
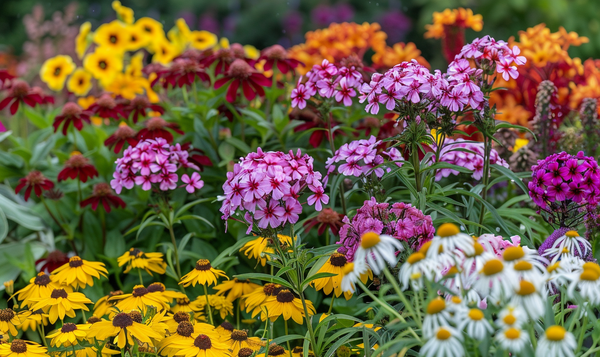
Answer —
299 96
468 155
193 183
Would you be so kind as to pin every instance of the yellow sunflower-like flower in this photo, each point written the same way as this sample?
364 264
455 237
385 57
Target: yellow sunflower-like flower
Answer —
68 335
140 299
82 41
202 40
62 303
236 289
225 328
33 320
261 247
164 51
9 320
256 299
277 351
113 36
127 86
183 331
79 273
55 70
298 351
21 348
203 274
136 64
138 38
159 289
287 305
136 259
104 307
184 305
124 13
202 345
217 303
103 64
251 52
239 339
152 28
124 330
333 265
39 287
80 82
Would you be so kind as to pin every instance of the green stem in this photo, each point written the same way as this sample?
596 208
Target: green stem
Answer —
582 333
210 317
286 333
42 334
486 180
140 275
417 166
83 315
185 94
532 336
239 312
400 294
103 223
331 304
69 238
308 319
175 250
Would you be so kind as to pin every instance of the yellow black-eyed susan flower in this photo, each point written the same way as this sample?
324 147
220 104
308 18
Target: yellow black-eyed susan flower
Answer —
287 305
298 351
9 320
104 307
185 331
82 41
217 303
80 82
126 85
68 335
202 40
122 330
103 64
21 348
33 320
39 287
137 259
160 289
202 345
239 339
225 328
79 273
152 28
275 350
173 320
124 13
164 51
62 303
236 289
113 36
184 305
203 274
55 70
140 299
255 300
261 247
334 265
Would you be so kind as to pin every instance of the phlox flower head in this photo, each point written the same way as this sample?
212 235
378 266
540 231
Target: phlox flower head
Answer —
154 162
452 153
265 188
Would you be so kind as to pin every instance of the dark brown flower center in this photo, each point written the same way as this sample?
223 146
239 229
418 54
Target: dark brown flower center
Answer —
240 69
77 161
203 342
245 352
102 64
75 262
276 350
156 123
113 39
134 252
93 320
68 327
271 289
185 328
71 109
59 293
19 88
181 316
124 132
275 52
239 335
35 178
338 260
140 102
42 279
203 264
115 293
156 287
6 314
285 296
106 101
140 291
18 346
227 326
328 216
136 316
122 320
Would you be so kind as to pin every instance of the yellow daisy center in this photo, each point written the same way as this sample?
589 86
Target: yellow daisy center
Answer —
589 275
456 300
553 267
425 247
415 257
452 271
447 230
555 333
493 267
591 266
513 253
443 334
526 288
475 314
523 266
478 248
572 234
369 240
509 319
437 305
512 333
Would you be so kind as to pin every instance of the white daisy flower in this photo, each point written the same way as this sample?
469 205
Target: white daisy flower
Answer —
587 283
453 279
415 269
527 271
571 242
561 272
556 342
445 342
512 339
474 324
352 273
532 297
376 250
451 238
472 263
511 316
496 279
518 254
456 305
437 315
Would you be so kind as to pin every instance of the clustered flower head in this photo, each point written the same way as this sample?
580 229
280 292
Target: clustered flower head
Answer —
152 161
455 152
266 187
328 80
490 54
399 220
563 185
361 157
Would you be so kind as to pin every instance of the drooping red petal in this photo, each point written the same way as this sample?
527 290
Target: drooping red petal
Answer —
232 91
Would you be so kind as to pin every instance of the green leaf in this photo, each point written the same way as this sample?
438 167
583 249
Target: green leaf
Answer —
115 244
20 214
508 173
264 277
3 226
201 219
184 241
231 250
240 145
36 118
307 281
41 150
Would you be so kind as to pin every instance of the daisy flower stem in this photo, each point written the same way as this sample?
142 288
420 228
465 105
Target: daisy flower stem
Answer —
210 317
57 222
103 223
388 308
532 336
582 333
400 294
185 94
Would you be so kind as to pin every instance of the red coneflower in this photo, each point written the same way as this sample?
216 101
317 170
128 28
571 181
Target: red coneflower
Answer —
46 98
77 166
277 55
241 74
312 120
5 76
105 195
327 218
54 260
224 57
20 92
34 180
107 107
196 156
155 128
71 113
122 135
181 72
139 105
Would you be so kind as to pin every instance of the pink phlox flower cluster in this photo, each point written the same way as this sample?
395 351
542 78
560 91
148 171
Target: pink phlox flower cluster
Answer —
328 80
400 220
410 83
472 160
362 157
564 178
154 161
496 244
266 187
487 48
